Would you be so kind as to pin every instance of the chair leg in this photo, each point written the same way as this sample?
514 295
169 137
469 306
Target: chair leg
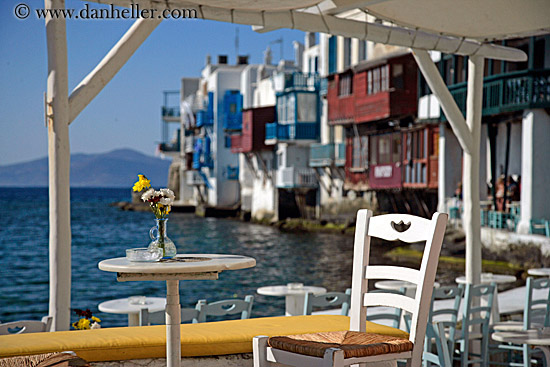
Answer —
259 350
333 357
526 355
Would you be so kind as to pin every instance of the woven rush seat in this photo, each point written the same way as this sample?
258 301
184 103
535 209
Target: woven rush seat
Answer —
353 343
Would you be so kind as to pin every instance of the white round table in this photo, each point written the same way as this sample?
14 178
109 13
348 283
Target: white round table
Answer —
182 267
123 306
540 338
542 272
395 285
488 278
295 294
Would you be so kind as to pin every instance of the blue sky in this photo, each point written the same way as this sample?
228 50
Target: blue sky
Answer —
126 114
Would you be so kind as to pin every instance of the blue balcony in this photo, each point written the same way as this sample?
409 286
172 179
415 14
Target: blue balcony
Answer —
204 119
292 132
509 92
232 107
321 155
326 155
202 156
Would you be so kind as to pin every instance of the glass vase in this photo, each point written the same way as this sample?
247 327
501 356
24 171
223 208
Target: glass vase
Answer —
161 240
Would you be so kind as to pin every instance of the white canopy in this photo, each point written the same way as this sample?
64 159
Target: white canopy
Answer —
450 26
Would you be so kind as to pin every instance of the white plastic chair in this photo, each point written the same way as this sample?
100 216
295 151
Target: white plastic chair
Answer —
26 326
356 345
225 308
330 299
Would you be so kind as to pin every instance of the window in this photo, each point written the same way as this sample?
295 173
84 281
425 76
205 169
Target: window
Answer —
345 85
396 148
398 80
378 80
384 149
332 43
347 52
307 107
373 157
362 50
360 151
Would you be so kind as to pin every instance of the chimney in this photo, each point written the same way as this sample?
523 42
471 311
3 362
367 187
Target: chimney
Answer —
242 60
222 59
208 59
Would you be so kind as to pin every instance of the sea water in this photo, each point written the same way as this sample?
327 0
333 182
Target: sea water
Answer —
101 231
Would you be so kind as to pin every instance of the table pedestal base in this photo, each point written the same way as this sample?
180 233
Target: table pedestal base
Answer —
173 321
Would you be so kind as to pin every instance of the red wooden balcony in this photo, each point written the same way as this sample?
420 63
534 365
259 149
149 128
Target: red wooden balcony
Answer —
374 91
252 137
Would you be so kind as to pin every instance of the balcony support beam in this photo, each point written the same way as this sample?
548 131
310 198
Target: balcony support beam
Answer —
471 219
59 157
107 68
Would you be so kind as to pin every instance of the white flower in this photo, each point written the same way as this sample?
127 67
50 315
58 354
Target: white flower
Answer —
166 201
148 195
167 193
95 325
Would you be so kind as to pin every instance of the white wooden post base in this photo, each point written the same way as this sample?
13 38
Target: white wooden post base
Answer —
173 321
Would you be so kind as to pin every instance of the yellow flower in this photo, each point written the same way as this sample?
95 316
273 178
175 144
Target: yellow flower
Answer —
82 324
96 319
143 183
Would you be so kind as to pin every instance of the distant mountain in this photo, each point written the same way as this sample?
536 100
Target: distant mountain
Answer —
118 168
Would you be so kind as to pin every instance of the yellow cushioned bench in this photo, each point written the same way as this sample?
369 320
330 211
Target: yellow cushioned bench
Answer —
205 339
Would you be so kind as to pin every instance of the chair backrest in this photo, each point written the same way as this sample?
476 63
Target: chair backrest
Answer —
441 325
26 326
226 307
159 317
392 227
330 299
477 311
537 310
393 316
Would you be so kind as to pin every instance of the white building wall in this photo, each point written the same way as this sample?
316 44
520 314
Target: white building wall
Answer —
224 193
264 192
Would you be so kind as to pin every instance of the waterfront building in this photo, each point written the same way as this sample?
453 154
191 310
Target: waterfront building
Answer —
374 149
514 171
278 126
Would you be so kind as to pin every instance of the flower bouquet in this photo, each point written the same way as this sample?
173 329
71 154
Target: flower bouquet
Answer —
87 320
161 204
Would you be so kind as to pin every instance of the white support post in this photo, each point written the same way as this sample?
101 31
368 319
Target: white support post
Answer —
446 100
173 321
59 164
471 216
98 78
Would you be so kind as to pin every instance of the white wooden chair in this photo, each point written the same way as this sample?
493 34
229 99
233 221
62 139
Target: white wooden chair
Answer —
147 318
226 307
26 326
355 346
328 300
